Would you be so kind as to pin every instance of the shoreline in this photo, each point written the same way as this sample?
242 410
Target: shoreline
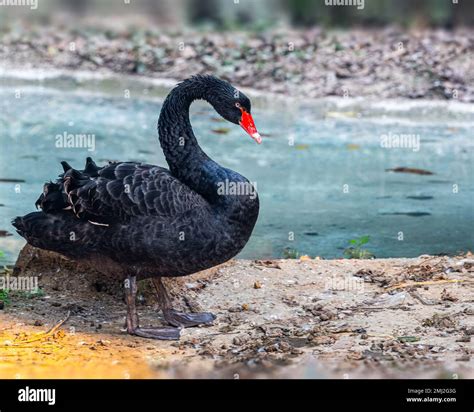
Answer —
403 104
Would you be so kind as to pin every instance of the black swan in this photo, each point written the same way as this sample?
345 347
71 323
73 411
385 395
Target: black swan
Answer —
143 221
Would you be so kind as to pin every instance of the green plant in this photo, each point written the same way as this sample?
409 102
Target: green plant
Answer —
338 46
4 268
289 253
4 296
356 250
4 293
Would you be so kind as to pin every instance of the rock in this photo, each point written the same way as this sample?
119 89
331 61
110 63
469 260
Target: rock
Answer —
447 296
464 339
241 339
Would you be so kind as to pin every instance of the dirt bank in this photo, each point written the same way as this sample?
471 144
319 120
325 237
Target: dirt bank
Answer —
298 318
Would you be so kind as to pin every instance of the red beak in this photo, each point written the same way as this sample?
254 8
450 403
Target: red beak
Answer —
248 125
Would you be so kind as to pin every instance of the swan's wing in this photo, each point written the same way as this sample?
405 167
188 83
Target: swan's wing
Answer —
121 191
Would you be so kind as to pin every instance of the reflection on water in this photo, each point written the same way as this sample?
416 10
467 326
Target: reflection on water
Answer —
321 173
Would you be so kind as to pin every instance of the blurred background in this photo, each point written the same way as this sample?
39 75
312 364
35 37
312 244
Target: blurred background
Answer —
257 15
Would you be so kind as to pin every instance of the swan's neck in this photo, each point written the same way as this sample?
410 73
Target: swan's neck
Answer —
188 162
185 158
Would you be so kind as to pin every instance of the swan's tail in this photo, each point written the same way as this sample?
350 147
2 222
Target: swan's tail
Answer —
60 195
59 232
57 227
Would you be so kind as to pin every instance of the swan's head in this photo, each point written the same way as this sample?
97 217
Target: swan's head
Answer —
235 107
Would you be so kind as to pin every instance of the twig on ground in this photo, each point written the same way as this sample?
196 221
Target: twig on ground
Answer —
428 282
43 335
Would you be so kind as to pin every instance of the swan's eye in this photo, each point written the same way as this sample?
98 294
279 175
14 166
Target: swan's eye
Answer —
239 106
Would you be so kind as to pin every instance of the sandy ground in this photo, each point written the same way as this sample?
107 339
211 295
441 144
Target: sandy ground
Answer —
284 318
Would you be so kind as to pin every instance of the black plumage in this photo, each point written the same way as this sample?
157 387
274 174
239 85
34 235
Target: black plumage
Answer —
146 221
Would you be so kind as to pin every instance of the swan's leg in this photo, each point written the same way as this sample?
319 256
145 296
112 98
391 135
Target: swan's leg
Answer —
133 327
175 318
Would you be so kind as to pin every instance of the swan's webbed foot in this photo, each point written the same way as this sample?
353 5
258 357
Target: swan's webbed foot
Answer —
187 320
175 318
156 333
133 328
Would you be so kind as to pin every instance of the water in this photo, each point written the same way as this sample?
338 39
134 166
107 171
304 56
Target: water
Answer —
328 187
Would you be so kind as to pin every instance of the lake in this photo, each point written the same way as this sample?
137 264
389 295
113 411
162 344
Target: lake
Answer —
321 172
